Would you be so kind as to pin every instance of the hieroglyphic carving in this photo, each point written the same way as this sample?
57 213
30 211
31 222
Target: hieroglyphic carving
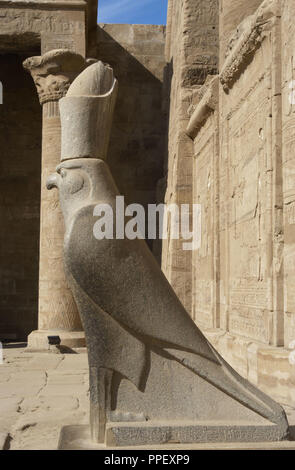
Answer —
254 30
289 218
288 160
248 208
250 322
202 302
205 12
37 21
250 315
202 128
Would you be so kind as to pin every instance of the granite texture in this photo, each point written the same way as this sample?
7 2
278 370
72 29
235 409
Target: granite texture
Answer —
137 330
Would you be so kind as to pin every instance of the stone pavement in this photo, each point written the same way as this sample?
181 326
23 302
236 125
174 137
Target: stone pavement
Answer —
40 392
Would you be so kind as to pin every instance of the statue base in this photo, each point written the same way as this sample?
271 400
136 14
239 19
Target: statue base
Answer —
175 436
38 339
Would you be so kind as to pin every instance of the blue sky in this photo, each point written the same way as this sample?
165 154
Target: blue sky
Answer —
132 11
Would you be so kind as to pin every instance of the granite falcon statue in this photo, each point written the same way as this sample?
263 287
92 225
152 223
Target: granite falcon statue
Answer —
148 360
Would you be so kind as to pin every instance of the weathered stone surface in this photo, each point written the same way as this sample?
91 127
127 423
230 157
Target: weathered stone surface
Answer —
131 343
88 121
31 419
288 117
238 279
136 434
60 383
53 73
249 125
57 404
267 367
136 155
232 14
192 54
203 128
79 438
27 28
40 362
249 36
241 281
208 103
51 412
9 409
40 429
8 405
38 340
137 143
24 24
73 362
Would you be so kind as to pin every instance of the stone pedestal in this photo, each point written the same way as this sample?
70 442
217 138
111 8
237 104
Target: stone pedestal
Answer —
58 315
79 438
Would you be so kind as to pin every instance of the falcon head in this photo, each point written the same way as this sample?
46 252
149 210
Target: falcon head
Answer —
78 181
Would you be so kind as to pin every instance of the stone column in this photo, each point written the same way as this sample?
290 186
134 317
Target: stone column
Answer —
58 315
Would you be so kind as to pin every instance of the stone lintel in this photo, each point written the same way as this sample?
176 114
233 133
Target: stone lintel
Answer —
247 38
69 5
207 104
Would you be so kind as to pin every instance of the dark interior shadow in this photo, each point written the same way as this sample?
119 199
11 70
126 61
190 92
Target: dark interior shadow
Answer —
26 43
65 349
9 345
20 186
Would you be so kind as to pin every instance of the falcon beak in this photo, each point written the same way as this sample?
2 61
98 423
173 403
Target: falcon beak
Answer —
52 181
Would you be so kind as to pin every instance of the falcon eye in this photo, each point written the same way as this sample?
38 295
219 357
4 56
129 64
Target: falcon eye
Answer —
63 173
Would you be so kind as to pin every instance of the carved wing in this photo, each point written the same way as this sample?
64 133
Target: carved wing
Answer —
123 278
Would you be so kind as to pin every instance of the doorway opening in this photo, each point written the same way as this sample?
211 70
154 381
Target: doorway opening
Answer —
20 173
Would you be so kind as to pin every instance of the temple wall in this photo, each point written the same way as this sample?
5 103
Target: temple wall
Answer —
206 259
250 117
192 54
288 166
231 14
242 132
136 151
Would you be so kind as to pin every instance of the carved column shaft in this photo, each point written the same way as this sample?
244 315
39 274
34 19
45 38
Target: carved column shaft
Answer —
58 315
57 309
